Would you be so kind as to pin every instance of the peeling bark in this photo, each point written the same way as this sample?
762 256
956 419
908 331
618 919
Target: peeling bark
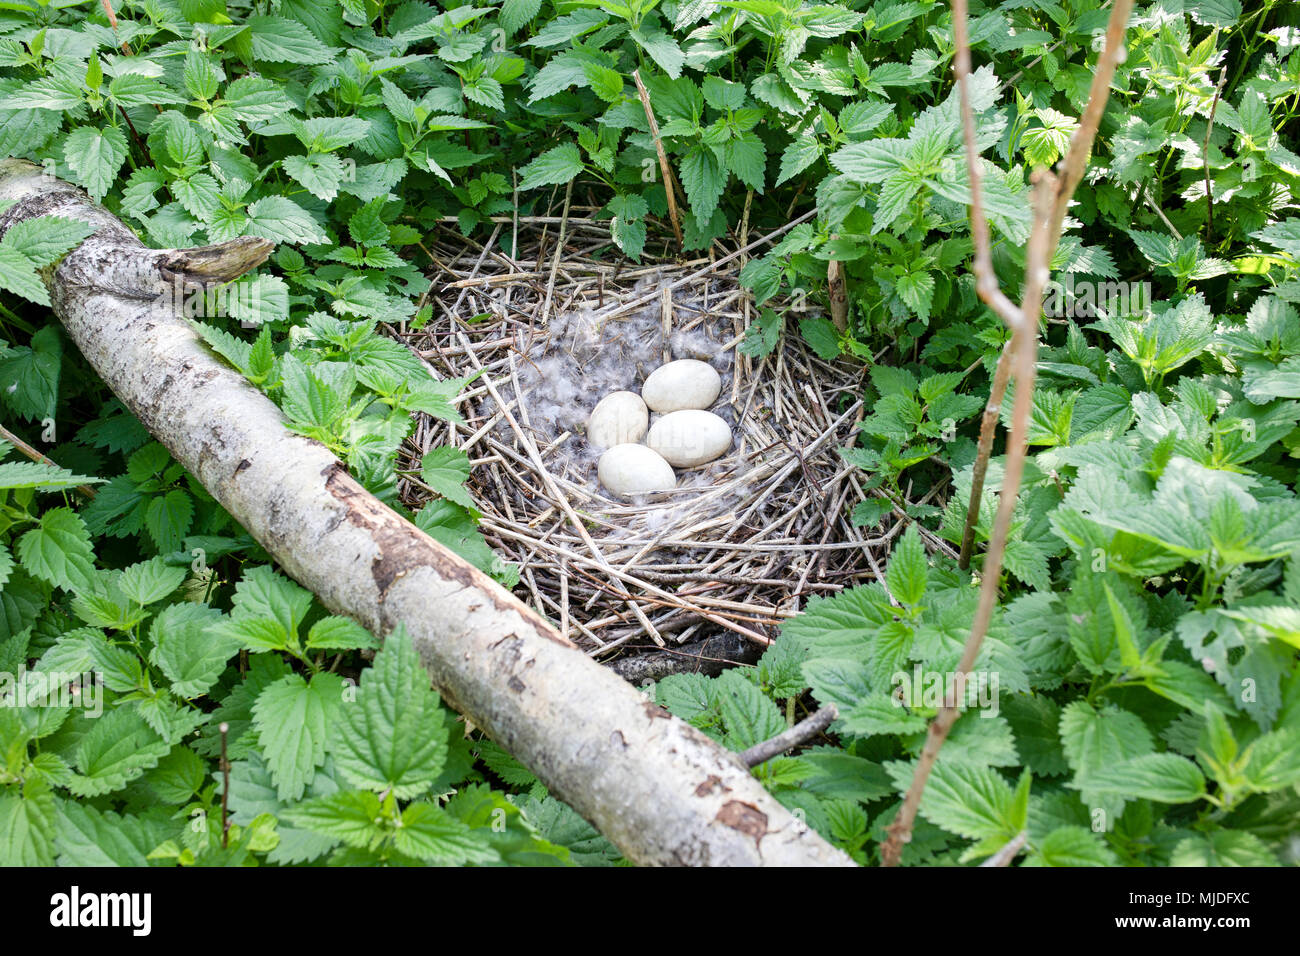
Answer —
660 790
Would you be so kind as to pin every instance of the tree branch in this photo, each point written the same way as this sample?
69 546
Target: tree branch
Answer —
1050 198
804 730
660 790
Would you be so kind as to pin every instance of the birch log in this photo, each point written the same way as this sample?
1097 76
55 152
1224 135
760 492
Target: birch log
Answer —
662 792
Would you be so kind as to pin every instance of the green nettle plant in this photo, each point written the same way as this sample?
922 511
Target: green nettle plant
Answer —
1136 700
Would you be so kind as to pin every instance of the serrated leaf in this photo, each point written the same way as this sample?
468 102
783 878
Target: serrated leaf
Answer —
118 748
95 154
189 651
58 550
556 166
293 720
391 737
446 470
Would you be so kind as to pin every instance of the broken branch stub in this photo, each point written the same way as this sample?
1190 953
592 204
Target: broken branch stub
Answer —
660 790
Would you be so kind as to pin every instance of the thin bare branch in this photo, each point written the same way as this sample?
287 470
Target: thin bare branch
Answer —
1051 197
986 281
988 426
1205 156
806 729
1009 852
664 167
84 490
1071 169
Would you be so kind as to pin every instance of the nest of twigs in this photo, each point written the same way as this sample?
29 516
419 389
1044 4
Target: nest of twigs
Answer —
740 542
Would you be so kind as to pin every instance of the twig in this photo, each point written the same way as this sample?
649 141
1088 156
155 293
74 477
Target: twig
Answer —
224 728
1008 852
988 425
1050 197
112 22
806 729
1145 192
84 490
838 292
1071 168
664 168
1205 156
559 251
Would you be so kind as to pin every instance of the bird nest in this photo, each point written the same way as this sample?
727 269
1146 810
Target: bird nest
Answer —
740 541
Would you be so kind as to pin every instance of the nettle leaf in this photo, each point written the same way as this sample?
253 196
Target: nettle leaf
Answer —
339 634
906 572
391 737
974 802
18 275
516 13
822 336
353 817
431 834
119 747
798 156
168 519
58 550
150 581
29 375
45 238
1223 848
556 166
446 470
282 220
1095 740
279 40
1166 778
265 594
1072 846
95 154
704 179
749 716
662 48
188 649
28 824
293 720
200 194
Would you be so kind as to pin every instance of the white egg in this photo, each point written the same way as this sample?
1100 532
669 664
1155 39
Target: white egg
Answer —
689 437
686 383
628 470
617 419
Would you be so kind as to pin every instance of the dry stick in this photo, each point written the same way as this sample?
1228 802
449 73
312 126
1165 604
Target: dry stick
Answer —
988 425
224 729
1075 162
838 291
84 490
112 22
806 729
559 250
1205 157
664 168
1051 197
1008 853
1025 357
666 323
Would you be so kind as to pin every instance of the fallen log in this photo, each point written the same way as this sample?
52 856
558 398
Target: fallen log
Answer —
661 791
